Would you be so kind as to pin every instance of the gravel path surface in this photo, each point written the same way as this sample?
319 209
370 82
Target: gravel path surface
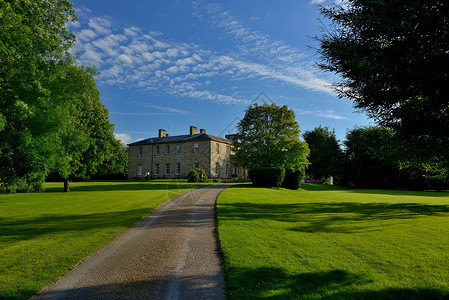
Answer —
169 254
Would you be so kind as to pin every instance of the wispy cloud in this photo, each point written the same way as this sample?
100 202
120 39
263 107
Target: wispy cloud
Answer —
329 113
314 2
167 110
151 62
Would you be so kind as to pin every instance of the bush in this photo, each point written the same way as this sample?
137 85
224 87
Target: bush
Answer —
32 182
197 175
267 176
293 179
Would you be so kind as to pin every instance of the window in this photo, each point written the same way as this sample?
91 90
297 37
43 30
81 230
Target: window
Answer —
178 168
156 151
139 170
178 148
196 148
196 165
167 149
228 149
217 148
167 169
156 169
139 151
217 168
227 170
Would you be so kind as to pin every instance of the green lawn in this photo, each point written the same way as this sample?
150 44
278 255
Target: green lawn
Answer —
334 243
42 235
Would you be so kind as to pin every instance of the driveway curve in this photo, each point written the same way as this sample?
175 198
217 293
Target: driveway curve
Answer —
172 253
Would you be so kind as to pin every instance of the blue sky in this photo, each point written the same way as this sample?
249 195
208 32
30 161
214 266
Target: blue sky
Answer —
171 64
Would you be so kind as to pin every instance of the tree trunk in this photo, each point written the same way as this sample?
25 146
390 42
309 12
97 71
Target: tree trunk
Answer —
66 184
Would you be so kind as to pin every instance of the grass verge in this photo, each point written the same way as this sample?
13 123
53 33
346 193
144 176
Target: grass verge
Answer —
43 235
334 243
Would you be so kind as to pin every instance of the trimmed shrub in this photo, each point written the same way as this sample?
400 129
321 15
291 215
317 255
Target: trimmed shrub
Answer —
197 175
267 176
293 179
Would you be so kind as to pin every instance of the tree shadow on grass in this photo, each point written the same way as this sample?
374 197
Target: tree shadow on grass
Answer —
16 229
313 187
125 186
341 217
270 282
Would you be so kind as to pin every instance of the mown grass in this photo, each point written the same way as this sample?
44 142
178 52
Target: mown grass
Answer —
43 235
323 242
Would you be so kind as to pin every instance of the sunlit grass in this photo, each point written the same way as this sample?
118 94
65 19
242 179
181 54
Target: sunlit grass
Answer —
334 243
43 235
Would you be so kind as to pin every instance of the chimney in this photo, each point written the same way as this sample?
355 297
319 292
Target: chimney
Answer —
162 133
202 131
192 130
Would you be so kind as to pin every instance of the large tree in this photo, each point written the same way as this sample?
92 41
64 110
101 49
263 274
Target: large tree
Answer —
33 37
269 136
51 117
325 152
370 158
393 57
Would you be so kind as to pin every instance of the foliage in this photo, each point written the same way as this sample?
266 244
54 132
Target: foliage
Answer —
197 175
293 179
370 160
84 134
393 58
325 152
51 117
43 235
267 176
329 242
268 136
33 37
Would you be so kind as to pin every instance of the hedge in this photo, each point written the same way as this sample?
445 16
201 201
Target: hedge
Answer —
267 176
293 179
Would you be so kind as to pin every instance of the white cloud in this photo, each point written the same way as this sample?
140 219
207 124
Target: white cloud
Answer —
86 34
132 31
313 2
123 137
329 114
100 25
153 63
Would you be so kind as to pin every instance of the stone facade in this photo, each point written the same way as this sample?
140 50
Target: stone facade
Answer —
174 156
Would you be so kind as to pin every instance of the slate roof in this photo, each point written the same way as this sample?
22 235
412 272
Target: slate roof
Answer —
182 138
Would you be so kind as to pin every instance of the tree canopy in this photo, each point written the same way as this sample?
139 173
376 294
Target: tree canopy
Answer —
325 152
269 136
393 57
51 117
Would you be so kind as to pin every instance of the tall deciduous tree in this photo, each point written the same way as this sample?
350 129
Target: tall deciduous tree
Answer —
33 37
269 137
51 117
370 158
393 57
325 152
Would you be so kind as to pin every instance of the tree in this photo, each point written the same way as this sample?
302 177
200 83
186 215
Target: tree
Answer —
33 37
51 117
370 158
393 57
83 134
269 137
325 152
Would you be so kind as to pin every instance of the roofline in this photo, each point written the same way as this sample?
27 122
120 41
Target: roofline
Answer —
185 138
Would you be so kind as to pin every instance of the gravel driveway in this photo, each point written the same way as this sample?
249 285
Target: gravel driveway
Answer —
169 254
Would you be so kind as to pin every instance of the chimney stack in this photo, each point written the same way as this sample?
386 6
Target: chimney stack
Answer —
202 131
192 130
162 133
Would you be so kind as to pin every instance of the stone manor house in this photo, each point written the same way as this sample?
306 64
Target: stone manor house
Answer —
174 156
